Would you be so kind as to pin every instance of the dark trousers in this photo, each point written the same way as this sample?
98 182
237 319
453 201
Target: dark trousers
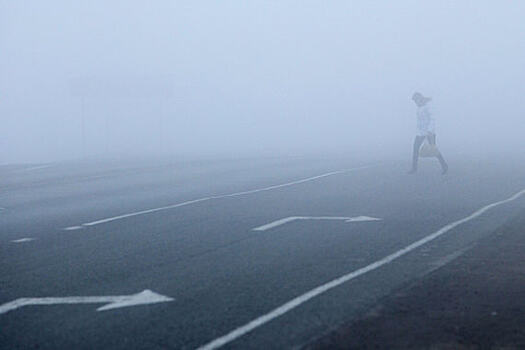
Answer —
418 141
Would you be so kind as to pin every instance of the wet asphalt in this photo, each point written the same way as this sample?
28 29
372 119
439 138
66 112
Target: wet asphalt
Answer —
206 256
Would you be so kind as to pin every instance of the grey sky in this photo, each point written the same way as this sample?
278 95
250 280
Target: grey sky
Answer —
259 76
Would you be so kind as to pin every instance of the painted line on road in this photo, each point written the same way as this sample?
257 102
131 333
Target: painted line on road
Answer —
23 240
73 228
276 223
447 259
236 194
34 168
294 218
124 216
292 304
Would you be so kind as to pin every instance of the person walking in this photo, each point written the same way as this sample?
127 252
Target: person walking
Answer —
425 130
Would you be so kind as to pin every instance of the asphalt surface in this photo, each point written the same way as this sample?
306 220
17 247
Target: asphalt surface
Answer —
205 255
473 302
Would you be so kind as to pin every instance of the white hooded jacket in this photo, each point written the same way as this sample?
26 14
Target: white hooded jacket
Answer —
425 120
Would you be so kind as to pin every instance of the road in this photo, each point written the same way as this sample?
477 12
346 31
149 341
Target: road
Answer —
184 229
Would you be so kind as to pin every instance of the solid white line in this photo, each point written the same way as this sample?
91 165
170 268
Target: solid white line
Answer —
292 183
292 304
363 218
34 168
23 240
236 194
276 223
73 228
103 221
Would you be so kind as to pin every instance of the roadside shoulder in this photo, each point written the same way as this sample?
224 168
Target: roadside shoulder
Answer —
476 301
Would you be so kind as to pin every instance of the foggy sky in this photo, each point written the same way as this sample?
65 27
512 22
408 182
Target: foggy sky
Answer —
261 77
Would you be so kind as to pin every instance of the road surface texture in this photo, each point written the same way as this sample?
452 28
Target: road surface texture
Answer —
162 254
474 302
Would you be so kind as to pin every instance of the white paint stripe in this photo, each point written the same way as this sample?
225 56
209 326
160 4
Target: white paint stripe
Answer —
448 259
291 183
34 168
346 218
73 228
103 221
292 304
363 218
149 211
293 218
276 223
22 240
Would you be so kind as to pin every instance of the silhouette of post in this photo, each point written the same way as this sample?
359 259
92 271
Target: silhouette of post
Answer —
83 124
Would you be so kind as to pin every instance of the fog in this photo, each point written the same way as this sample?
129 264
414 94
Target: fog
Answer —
111 78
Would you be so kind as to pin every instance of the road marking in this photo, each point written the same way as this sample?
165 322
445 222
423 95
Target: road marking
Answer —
294 218
142 298
73 228
292 304
447 259
34 168
22 240
236 194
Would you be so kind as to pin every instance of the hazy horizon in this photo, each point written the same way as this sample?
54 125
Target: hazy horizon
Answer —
259 77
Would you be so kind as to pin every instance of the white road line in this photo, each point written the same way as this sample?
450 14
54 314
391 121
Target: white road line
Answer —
294 218
73 228
292 304
103 221
448 259
292 183
34 168
276 223
363 218
23 240
149 211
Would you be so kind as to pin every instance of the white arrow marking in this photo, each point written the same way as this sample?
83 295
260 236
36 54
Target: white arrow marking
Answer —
22 240
236 194
142 298
297 301
293 218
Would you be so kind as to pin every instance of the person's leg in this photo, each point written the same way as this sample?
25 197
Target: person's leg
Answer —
418 141
444 165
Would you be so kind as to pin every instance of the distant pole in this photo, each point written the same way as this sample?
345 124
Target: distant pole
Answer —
107 134
161 126
83 125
